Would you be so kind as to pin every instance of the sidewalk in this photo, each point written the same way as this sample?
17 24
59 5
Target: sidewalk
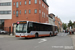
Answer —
2 36
73 38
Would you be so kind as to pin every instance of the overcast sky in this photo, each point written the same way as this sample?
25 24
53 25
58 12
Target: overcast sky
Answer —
64 9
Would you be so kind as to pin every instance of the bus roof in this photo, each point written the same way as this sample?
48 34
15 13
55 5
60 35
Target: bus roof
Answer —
37 22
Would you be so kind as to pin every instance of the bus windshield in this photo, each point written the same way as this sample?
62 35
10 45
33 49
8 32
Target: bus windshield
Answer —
21 28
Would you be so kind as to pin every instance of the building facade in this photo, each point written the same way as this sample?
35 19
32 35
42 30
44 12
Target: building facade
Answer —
27 10
58 23
51 18
5 10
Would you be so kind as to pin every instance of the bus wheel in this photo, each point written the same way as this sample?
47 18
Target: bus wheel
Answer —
36 35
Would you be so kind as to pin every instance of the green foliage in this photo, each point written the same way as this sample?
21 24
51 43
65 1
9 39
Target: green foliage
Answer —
74 24
64 26
70 24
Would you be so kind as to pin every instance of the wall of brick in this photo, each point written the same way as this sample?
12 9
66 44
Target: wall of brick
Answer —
37 17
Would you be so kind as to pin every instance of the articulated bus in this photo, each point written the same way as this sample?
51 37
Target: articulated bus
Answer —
30 29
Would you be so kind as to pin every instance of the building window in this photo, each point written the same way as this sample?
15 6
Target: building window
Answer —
25 11
39 11
47 15
35 10
42 14
25 2
47 8
5 4
20 11
16 13
5 12
29 1
35 1
16 4
13 12
20 3
39 1
42 5
29 11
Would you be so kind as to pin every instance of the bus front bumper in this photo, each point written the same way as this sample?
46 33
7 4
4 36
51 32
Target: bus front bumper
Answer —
20 36
28 36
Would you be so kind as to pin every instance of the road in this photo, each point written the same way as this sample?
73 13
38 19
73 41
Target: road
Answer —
60 42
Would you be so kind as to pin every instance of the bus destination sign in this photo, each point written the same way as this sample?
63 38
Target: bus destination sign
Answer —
21 22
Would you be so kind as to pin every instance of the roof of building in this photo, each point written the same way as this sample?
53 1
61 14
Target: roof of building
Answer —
45 3
51 15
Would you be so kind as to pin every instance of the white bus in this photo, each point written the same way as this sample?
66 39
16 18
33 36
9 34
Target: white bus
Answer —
30 29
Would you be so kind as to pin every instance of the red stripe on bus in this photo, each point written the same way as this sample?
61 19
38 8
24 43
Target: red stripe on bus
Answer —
20 36
44 35
31 36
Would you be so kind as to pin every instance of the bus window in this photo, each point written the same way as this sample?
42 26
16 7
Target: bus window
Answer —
30 27
19 28
35 28
25 28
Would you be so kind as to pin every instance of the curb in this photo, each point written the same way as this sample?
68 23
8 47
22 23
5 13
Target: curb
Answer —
73 39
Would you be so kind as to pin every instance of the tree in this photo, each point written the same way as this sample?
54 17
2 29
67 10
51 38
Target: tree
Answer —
70 24
64 26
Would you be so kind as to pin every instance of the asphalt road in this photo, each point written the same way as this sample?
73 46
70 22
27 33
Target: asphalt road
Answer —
60 42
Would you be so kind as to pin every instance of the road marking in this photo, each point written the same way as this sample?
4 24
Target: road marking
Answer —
43 40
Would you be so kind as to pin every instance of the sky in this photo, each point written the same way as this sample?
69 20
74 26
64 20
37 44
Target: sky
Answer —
64 9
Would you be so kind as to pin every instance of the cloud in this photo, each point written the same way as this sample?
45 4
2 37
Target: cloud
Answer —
64 9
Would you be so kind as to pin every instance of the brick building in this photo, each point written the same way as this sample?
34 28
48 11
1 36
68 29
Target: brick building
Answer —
58 23
27 10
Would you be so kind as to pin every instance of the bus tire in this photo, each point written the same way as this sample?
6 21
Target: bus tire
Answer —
36 35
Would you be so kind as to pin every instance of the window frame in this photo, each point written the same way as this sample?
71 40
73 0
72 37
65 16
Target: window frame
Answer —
20 11
17 5
25 2
14 4
20 2
25 11
13 12
35 1
29 2
17 13
35 11
29 11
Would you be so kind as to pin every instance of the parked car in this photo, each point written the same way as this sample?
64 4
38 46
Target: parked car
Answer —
66 31
3 32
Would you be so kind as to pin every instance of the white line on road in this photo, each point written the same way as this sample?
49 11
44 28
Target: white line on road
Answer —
43 40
